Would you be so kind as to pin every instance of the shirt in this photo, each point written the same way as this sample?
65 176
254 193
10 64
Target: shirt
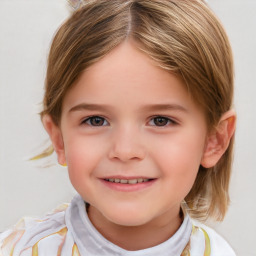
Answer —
68 232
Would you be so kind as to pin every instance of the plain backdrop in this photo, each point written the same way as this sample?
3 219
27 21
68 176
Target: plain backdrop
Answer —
29 189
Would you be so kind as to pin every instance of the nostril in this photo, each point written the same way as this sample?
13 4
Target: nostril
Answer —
125 155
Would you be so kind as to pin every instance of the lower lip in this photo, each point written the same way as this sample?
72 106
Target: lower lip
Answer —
128 187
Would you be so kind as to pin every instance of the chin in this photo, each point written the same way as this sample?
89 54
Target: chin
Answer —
128 222
127 218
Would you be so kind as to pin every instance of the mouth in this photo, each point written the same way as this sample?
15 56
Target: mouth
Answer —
131 184
128 181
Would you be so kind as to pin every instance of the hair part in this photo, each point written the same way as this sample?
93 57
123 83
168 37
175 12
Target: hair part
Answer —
183 37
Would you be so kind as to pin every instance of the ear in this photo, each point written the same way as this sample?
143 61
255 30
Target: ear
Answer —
56 137
218 140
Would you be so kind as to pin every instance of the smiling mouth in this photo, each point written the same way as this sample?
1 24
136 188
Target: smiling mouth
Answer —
128 181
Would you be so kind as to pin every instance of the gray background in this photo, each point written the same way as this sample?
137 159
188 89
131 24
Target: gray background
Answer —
29 189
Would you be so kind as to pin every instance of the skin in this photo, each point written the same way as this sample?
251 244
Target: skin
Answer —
127 118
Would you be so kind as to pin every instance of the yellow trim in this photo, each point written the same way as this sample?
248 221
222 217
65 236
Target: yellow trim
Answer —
10 239
186 251
207 251
62 233
75 251
35 249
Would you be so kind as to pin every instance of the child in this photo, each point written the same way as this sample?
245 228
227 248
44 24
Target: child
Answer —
137 104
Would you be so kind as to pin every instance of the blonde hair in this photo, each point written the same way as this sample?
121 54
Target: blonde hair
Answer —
183 37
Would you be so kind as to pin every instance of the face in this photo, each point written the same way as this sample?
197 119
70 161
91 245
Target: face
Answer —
133 138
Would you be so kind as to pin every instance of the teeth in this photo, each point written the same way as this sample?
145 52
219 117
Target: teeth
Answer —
132 181
123 181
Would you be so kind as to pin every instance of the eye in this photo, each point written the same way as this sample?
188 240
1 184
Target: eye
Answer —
161 121
95 121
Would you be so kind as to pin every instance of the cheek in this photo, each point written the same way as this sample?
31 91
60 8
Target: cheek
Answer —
82 157
179 151
179 159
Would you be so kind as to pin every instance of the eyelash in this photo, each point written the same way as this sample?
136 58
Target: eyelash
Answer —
89 120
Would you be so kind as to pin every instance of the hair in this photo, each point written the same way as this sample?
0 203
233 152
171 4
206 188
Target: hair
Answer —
183 37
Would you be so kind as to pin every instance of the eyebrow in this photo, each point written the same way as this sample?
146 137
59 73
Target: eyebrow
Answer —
153 107
161 107
86 106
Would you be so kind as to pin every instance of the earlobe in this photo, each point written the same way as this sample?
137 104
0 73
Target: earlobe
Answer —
56 137
218 141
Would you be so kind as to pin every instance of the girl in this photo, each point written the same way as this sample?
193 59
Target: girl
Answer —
137 104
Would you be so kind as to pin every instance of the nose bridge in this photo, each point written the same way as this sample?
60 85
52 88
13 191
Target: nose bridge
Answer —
127 143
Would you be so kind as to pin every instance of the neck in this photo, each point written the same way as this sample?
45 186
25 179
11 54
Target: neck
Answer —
134 238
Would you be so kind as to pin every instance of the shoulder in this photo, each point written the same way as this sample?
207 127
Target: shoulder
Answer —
215 245
29 233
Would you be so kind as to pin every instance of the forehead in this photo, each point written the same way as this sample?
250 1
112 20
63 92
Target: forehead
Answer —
127 76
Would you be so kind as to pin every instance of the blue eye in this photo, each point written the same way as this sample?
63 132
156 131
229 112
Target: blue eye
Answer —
96 121
160 121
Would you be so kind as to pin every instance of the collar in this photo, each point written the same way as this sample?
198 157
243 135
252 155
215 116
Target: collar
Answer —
90 242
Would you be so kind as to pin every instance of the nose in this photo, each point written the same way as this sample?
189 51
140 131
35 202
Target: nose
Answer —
127 145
